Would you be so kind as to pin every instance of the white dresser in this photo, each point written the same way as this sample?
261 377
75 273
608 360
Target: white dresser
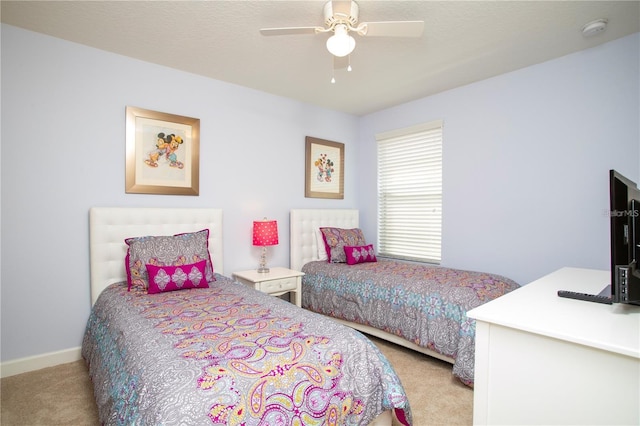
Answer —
545 360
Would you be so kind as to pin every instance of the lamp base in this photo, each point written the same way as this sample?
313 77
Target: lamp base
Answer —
263 262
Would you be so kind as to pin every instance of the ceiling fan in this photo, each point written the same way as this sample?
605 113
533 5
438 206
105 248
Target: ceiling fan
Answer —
341 19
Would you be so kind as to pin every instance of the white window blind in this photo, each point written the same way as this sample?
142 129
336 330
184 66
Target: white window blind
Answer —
410 193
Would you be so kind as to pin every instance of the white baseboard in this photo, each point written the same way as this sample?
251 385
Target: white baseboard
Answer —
32 363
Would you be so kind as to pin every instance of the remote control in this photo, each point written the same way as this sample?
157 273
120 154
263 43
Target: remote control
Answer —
584 296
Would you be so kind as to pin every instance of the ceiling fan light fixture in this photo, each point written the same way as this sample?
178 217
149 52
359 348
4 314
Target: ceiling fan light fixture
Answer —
341 43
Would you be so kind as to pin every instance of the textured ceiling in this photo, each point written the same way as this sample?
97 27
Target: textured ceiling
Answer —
463 42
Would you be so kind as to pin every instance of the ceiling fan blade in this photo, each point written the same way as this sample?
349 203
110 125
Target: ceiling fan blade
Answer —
392 29
290 31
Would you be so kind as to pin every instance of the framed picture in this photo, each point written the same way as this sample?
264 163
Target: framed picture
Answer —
324 169
163 153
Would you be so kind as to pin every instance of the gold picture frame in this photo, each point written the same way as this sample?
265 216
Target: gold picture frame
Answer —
324 176
162 153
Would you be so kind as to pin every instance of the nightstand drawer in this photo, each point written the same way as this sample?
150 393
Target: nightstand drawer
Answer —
283 284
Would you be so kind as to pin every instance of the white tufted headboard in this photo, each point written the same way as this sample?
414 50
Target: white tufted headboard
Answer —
305 222
109 226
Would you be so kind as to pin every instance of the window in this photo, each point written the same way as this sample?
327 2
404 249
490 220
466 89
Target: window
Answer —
410 193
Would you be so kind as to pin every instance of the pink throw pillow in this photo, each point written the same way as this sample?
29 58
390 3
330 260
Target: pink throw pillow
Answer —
171 278
360 254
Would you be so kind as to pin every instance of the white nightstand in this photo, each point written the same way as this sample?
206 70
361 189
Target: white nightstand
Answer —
276 282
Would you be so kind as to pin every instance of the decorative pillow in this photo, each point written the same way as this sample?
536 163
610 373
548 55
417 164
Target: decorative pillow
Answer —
335 239
360 254
171 278
170 250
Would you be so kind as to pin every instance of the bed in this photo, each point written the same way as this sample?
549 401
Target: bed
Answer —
415 305
219 353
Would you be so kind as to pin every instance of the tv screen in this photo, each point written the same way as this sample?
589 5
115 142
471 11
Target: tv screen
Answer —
624 205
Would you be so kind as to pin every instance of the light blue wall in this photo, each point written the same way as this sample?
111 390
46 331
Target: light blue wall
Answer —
63 151
526 161
509 141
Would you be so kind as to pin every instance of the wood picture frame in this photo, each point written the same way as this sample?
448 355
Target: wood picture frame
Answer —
162 153
324 177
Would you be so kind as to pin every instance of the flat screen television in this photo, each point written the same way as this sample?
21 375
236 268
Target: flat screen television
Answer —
624 213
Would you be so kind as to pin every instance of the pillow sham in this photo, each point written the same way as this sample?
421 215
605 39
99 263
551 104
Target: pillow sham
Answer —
360 254
168 250
335 239
172 278
322 249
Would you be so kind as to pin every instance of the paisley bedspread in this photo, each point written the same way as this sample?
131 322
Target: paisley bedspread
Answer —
424 304
230 355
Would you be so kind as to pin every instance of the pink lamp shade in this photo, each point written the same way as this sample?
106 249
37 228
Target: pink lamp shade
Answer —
265 233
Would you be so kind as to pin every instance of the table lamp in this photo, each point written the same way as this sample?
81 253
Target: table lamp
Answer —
265 233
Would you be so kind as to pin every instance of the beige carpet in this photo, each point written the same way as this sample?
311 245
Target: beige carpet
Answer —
63 395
